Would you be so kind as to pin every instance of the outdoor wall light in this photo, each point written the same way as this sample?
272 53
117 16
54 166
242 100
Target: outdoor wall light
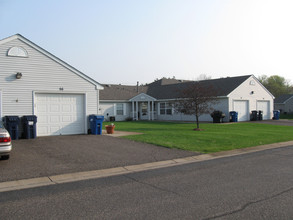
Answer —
18 75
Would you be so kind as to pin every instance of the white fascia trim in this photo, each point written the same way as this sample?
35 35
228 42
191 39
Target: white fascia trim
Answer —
51 56
273 97
252 76
143 94
165 100
59 92
114 101
285 100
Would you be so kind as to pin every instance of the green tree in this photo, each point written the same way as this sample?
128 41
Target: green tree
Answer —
277 85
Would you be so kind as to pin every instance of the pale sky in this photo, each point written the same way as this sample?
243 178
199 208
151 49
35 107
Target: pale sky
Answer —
125 41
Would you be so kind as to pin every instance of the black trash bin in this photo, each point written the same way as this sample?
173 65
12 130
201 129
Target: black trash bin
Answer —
253 115
96 124
112 118
233 116
217 116
260 115
29 126
11 124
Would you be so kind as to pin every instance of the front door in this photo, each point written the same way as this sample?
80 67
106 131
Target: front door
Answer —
143 113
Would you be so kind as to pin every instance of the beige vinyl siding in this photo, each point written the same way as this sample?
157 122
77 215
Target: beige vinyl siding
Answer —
39 73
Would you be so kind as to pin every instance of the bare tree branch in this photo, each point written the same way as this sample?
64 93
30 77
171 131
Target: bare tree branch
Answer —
196 99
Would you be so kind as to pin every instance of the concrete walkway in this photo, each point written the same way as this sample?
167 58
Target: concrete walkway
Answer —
120 133
79 176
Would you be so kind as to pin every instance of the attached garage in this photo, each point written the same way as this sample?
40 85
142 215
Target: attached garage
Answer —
264 106
60 114
38 83
241 107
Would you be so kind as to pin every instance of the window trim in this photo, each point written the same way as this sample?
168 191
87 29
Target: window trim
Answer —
167 107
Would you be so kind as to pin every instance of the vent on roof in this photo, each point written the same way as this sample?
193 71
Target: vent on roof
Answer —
108 85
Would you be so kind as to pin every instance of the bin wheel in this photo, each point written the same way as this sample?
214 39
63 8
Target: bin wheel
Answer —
5 157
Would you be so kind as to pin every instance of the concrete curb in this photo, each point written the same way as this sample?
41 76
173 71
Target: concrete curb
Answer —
95 174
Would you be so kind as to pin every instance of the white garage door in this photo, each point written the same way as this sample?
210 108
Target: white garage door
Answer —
60 114
265 107
242 108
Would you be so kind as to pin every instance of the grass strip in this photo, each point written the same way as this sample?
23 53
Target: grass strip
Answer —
213 137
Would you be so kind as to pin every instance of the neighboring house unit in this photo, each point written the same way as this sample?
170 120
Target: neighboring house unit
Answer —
154 101
284 103
35 82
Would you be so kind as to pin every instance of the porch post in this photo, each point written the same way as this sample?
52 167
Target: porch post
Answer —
149 111
132 110
152 110
136 110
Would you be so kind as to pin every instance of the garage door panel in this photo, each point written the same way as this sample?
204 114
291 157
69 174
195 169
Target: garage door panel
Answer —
43 119
67 119
55 130
73 129
264 106
60 114
67 108
42 130
242 108
42 108
54 108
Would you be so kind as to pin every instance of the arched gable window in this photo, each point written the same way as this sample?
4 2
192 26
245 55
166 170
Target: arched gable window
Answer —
17 52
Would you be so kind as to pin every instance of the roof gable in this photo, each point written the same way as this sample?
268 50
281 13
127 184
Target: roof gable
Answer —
51 56
142 97
283 98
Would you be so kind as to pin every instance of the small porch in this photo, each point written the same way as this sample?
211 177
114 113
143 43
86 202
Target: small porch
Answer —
143 107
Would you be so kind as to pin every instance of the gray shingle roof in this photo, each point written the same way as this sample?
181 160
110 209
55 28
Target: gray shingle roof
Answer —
283 98
169 88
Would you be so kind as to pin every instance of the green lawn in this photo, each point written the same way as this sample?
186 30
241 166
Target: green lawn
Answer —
287 116
214 137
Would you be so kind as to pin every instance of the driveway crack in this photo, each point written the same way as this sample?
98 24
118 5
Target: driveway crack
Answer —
152 186
52 180
240 209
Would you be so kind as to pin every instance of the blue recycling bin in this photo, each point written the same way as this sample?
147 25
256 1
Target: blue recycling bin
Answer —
11 124
96 124
29 126
276 115
233 116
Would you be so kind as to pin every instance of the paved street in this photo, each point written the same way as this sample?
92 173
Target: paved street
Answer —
250 186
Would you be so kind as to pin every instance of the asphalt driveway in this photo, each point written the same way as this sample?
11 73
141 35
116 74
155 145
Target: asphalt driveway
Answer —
284 122
54 155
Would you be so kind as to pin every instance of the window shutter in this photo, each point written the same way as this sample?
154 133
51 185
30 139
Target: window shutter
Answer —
114 109
124 108
159 108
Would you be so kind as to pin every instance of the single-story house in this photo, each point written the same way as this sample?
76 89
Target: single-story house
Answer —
153 101
284 103
35 82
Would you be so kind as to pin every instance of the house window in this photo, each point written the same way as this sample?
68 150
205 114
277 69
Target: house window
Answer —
17 52
165 108
119 109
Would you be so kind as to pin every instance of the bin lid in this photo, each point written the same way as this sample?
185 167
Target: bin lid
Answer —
30 118
96 117
11 118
